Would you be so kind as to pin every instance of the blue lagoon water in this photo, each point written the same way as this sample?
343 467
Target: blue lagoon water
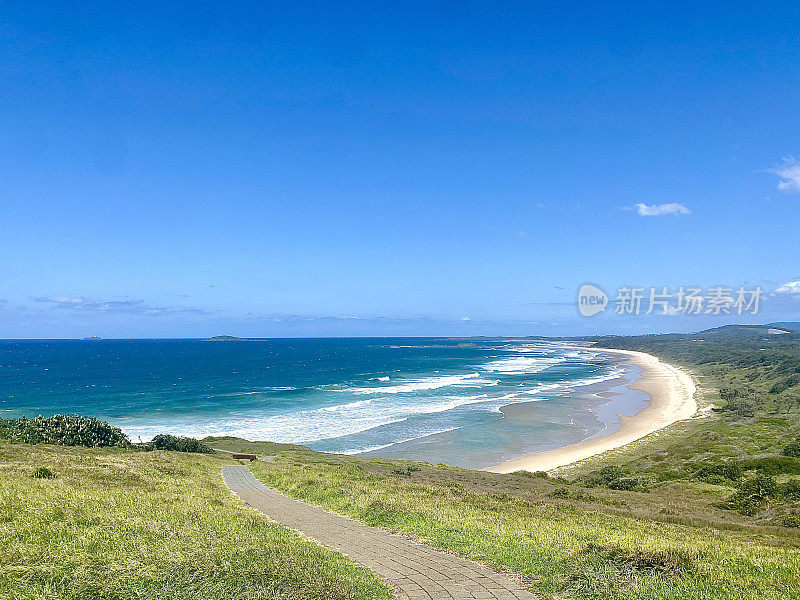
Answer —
467 403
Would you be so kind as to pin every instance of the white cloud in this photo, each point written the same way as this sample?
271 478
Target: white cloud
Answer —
789 175
790 287
62 300
658 210
115 306
466 319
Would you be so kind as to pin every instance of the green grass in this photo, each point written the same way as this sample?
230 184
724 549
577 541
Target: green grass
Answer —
678 451
565 549
234 444
117 524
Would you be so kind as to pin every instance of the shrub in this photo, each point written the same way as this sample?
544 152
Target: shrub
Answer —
609 571
604 476
612 472
791 489
772 465
615 478
758 486
43 473
527 474
791 521
178 443
532 474
752 493
406 472
792 449
784 384
625 483
719 472
742 402
741 406
66 430
662 562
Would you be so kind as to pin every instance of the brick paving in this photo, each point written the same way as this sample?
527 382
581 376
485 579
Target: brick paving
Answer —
416 571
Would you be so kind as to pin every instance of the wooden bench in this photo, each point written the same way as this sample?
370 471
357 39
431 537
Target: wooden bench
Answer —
250 457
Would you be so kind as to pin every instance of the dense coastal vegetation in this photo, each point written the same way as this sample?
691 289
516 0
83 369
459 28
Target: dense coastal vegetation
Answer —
76 430
707 508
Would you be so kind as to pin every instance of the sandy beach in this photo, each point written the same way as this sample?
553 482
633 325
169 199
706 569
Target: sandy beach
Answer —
671 392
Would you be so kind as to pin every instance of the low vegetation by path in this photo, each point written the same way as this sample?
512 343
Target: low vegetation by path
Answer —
567 550
114 523
416 570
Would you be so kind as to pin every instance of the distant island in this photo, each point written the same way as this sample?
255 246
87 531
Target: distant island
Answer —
227 338
91 338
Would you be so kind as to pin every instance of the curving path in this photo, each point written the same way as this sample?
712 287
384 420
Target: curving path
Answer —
417 571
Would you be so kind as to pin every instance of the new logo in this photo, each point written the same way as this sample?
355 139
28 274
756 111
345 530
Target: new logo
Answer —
591 300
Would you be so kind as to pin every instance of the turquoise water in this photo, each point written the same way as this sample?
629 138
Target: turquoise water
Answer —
470 404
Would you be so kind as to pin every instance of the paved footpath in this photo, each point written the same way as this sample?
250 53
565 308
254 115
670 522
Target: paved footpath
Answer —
417 571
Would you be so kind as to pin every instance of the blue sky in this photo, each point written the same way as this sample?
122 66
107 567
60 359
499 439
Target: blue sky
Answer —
177 169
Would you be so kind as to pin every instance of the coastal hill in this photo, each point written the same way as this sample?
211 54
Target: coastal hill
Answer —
226 338
706 508
750 330
725 331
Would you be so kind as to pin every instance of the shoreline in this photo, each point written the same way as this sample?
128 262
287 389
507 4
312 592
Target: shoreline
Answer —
671 392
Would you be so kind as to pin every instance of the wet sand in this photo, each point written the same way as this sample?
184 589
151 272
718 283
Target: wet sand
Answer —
671 392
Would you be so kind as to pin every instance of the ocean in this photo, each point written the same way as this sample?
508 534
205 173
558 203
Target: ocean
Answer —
469 403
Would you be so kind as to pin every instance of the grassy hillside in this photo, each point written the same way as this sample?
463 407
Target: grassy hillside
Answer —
114 523
566 539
